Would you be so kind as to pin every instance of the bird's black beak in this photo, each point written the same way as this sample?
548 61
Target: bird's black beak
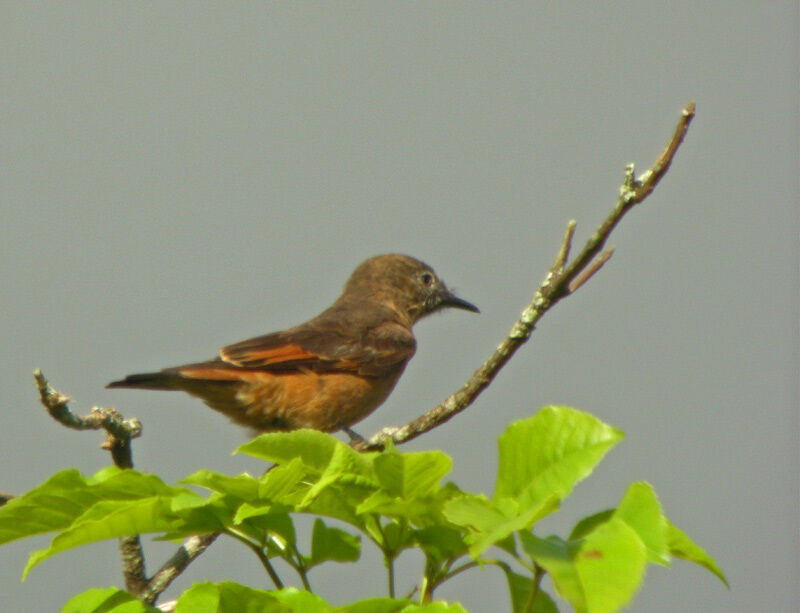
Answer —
449 299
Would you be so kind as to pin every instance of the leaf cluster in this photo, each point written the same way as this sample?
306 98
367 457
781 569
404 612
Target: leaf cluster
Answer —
398 501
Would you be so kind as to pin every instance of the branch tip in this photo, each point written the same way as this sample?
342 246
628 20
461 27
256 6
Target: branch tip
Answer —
563 279
119 432
648 181
590 270
566 244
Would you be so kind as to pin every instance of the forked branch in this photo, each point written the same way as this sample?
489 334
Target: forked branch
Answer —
119 433
562 280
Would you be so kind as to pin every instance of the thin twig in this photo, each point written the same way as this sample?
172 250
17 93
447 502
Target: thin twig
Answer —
389 562
119 432
538 573
191 548
566 244
559 283
301 569
461 569
648 181
594 266
264 559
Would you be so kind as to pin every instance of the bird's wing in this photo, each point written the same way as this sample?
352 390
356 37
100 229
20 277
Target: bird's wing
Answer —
376 351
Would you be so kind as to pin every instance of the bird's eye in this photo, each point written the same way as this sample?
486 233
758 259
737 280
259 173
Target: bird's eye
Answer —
427 279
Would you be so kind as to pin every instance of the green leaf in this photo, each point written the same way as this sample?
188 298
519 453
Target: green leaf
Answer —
243 487
589 523
267 501
112 503
409 487
389 605
440 543
640 509
320 452
280 484
556 557
273 529
520 589
426 510
65 496
198 516
434 607
390 536
490 522
286 483
374 605
419 510
681 546
332 544
548 454
339 503
597 574
328 463
106 600
109 519
248 511
51 506
611 563
411 475
301 601
229 598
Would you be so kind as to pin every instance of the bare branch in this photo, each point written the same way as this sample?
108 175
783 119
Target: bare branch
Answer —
119 432
648 181
193 547
560 282
590 270
566 244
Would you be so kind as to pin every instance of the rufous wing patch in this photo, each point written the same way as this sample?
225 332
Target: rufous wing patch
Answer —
255 356
209 373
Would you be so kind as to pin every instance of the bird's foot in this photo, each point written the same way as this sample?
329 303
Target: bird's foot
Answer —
355 437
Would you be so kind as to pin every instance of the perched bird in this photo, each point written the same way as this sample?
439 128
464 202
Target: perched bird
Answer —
328 373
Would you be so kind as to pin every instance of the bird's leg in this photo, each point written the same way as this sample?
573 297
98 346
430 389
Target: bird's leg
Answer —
355 437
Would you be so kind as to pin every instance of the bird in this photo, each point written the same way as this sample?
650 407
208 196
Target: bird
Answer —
327 373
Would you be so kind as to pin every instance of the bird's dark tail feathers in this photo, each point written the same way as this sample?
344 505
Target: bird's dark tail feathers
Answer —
149 381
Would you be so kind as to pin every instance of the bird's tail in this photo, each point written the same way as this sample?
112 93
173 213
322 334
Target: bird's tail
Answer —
162 380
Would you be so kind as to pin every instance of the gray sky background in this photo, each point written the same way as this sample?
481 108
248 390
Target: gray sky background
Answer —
176 177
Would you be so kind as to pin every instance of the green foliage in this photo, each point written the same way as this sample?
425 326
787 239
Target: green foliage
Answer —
395 500
681 546
106 599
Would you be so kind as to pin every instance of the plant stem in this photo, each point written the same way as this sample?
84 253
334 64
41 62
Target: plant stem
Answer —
425 590
389 561
538 573
301 569
257 549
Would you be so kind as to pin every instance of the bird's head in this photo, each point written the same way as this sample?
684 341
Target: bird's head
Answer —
409 286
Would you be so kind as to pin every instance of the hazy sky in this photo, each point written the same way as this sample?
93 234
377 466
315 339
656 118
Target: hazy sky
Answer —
177 176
